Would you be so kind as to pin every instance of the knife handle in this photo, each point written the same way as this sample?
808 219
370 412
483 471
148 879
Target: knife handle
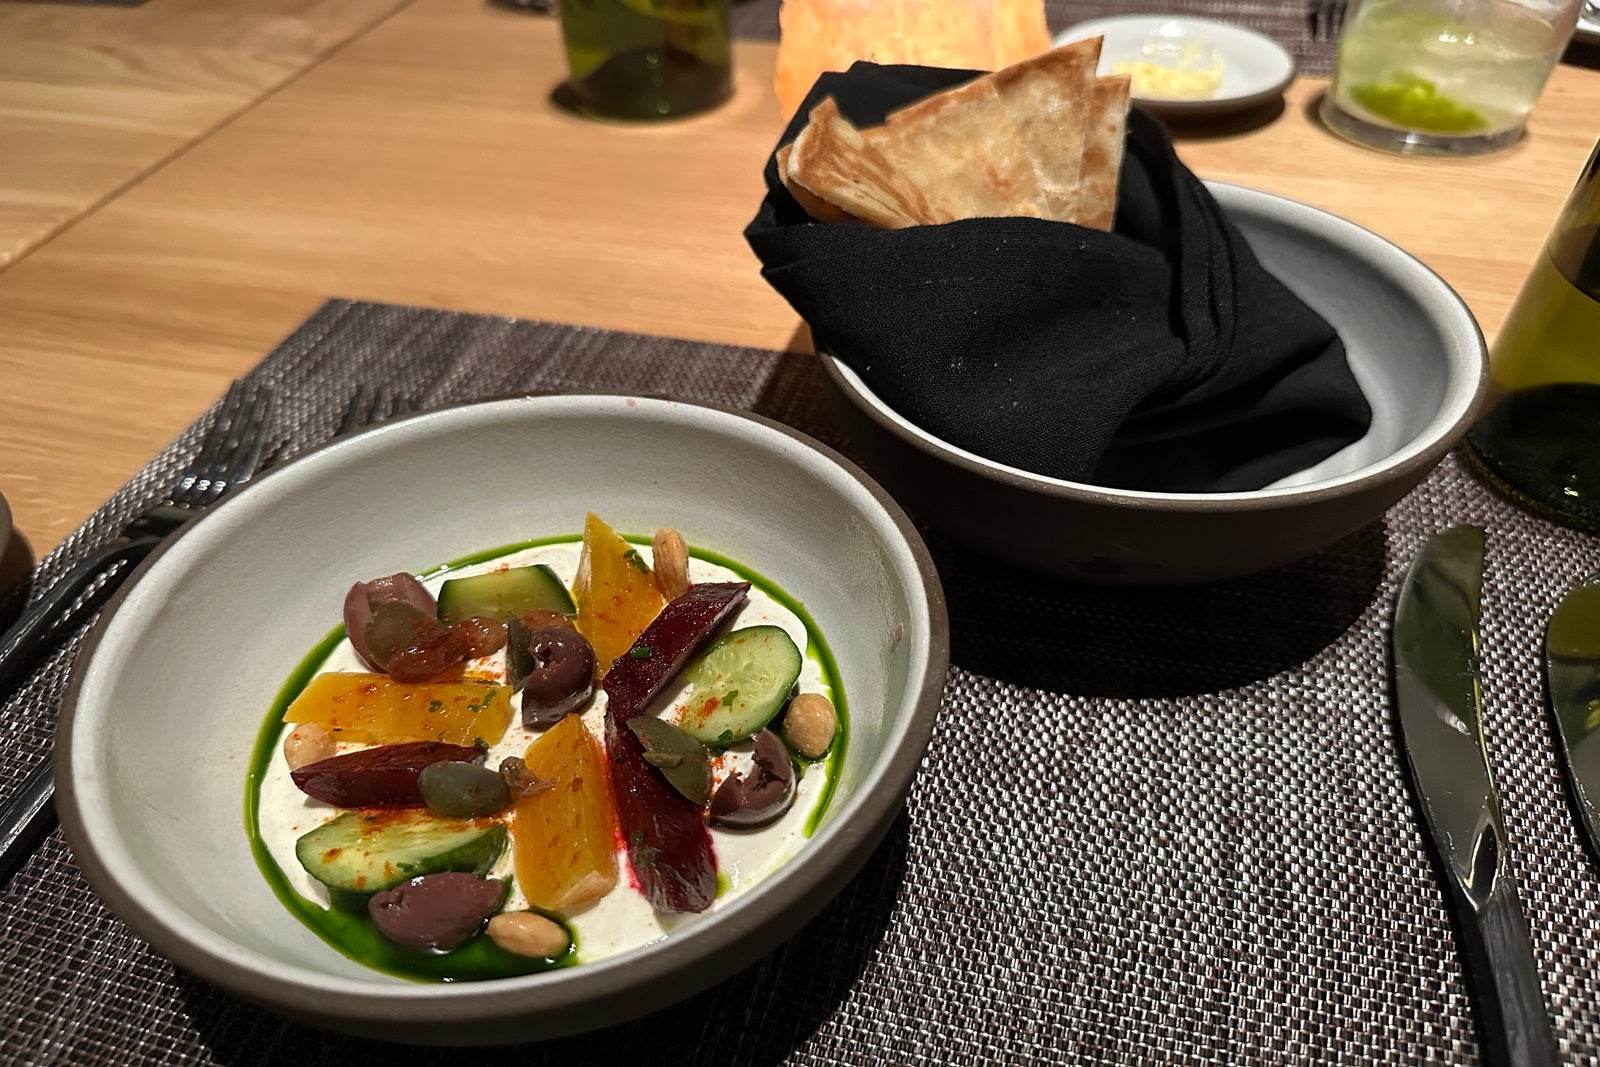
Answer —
1499 956
26 820
29 814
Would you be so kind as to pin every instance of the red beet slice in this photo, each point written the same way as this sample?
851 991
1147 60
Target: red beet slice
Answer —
659 653
382 777
669 847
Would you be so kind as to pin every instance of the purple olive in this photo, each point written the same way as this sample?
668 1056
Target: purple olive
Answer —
391 628
748 803
562 679
437 912
363 597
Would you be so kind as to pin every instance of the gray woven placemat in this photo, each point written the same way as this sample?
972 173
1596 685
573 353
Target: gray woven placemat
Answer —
1152 826
1285 21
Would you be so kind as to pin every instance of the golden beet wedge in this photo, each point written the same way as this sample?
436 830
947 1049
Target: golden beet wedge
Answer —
615 592
377 710
565 837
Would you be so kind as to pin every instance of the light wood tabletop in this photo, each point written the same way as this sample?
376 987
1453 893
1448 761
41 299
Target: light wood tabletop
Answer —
92 97
424 163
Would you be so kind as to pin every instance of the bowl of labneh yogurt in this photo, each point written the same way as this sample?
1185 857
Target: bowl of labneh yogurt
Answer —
159 757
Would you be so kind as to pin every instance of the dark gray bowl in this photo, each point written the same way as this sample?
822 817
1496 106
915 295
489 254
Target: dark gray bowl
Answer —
1415 349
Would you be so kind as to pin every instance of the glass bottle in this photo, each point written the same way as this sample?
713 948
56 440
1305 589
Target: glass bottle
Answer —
646 59
1540 442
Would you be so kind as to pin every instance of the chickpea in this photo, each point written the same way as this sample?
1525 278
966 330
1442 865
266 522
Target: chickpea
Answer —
526 933
308 743
809 725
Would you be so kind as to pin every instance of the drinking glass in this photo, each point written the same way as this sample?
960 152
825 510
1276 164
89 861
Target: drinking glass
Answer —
647 59
1444 77
1540 442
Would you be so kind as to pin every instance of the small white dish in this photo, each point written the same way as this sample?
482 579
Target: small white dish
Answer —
1588 29
1255 69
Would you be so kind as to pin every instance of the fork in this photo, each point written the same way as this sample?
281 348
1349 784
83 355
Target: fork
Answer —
229 455
1325 18
371 405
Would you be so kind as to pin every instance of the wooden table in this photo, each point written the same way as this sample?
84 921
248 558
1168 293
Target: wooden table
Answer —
424 163
92 98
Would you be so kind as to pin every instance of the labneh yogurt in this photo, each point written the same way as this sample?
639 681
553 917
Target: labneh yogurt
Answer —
623 919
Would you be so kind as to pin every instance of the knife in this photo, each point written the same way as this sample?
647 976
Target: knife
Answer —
1572 673
1438 698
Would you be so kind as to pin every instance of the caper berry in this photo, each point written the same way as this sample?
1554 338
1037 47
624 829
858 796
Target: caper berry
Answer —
462 790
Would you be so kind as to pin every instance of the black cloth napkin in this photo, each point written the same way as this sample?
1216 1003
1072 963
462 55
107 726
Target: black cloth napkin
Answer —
1161 356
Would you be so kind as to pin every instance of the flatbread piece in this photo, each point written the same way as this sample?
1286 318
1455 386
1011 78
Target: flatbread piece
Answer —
832 160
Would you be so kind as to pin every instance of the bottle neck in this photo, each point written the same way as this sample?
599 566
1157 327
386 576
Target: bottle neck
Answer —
1575 244
1576 254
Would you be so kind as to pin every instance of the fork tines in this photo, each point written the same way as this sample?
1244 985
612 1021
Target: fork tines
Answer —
1325 18
371 405
231 450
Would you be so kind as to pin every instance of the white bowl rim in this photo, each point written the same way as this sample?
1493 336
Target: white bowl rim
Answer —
1463 393
1235 38
832 856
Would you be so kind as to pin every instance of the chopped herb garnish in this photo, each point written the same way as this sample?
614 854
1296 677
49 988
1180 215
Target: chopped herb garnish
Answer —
637 560
435 705
727 701
641 651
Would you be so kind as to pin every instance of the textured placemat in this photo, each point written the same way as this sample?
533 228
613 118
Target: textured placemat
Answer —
1285 21
1152 826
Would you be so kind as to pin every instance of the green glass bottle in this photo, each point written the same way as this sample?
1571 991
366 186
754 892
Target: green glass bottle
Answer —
647 59
1540 442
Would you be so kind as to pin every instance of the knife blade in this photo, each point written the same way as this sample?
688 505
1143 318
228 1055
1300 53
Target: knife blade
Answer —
1572 675
1439 704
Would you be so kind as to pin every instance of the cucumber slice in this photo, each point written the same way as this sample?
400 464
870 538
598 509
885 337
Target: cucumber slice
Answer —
500 593
361 853
739 684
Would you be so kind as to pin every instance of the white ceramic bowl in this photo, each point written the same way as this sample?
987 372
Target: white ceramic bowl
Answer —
165 704
1414 348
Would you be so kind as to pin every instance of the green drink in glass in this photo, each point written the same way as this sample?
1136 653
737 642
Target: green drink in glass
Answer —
1444 77
647 59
